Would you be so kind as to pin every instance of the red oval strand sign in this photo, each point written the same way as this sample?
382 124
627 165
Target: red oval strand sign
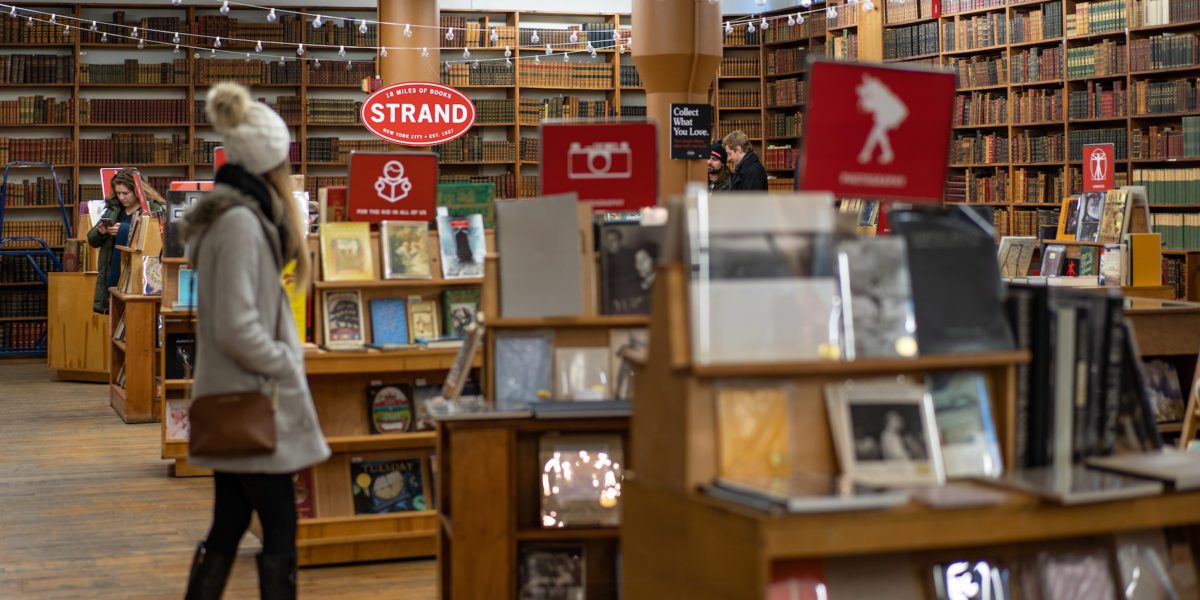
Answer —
418 113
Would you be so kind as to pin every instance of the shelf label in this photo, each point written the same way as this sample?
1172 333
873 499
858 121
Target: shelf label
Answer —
876 132
691 130
612 166
418 113
396 186
1097 167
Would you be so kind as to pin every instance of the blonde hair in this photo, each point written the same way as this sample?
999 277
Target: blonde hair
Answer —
737 139
280 179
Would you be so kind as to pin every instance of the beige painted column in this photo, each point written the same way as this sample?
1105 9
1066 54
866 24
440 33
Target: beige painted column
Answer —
870 33
676 47
407 65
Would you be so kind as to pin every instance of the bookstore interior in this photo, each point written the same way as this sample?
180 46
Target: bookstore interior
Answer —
547 331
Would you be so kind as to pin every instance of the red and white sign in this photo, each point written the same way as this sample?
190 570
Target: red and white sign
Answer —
393 186
1097 167
106 175
614 167
418 113
877 132
218 158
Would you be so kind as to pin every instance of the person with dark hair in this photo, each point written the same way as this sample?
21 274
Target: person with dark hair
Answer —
645 258
718 172
120 209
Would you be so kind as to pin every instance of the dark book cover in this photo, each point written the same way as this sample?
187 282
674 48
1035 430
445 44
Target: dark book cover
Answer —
459 309
628 257
178 202
389 408
180 355
551 571
305 492
387 486
952 257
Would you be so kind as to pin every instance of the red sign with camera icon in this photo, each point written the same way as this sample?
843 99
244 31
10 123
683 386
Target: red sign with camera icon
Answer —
614 167
393 186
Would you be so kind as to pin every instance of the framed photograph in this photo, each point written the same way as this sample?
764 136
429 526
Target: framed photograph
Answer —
343 320
405 250
884 432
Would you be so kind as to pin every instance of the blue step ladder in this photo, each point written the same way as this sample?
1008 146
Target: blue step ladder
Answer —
42 249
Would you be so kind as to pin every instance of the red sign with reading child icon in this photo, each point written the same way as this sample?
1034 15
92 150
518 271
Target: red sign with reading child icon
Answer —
877 132
393 186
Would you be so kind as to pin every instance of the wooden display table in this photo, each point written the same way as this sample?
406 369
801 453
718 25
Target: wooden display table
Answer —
78 341
134 358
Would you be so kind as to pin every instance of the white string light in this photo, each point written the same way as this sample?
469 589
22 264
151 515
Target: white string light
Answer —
175 39
791 21
300 50
407 30
362 26
549 50
728 28
54 17
271 16
317 64
104 38
805 3
258 46
342 52
141 44
535 39
832 12
424 52
507 52
566 57
750 27
537 59
449 35
135 32
799 19
383 52
574 36
495 36
466 53
317 22
763 25
177 2
217 43
225 7
349 65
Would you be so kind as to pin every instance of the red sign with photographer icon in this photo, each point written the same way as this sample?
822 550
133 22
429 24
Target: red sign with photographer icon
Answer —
393 186
614 167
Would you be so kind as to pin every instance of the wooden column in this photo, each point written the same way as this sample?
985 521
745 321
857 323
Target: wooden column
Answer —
407 65
870 33
676 47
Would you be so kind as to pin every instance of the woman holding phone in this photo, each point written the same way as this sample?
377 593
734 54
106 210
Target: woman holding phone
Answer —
113 229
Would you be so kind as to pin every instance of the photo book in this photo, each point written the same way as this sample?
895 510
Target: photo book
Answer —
305 493
545 239
628 258
1015 255
884 432
876 298
963 413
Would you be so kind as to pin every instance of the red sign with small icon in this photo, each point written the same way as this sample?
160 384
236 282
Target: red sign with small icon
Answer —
393 186
614 167
1097 167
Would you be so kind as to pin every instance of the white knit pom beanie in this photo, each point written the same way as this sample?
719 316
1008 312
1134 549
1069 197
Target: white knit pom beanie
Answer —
255 136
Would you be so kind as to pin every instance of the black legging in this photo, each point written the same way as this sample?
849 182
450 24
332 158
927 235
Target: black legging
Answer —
238 495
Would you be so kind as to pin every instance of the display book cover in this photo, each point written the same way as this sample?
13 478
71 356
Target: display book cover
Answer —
462 245
545 238
389 407
387 486
305 493
389 323
551 571
178 203
462 199
807 493
952 257
878 319
628 259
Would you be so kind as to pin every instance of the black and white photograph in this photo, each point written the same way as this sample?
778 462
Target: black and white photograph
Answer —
770 255
628 258
884 432
1091 212
552 573
879 315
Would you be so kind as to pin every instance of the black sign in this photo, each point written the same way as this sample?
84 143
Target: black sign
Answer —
691 130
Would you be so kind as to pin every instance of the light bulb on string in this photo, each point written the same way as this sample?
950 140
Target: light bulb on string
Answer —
495 36
629 44
317 22
29 22
566 57
537 59
212 52
217 43
424 52
728 28
282 59
135 32
383 52
574 36
407 30
750 27
177 2
616 34
466 53
271 16
508 62
317 63
175 38
300 50
868 5
349 65
141 44
475 65
362 26
93 24
258 46
176 48
549 50
13 12
225 7
507 52
83 52
104 37
535 39
805 3
764 25
66 31
831 13
799 18
791 21
450 34
620 48
196 54
342 51
54 20
247 57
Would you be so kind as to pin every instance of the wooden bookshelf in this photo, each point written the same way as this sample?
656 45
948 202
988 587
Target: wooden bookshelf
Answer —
78 343
135 357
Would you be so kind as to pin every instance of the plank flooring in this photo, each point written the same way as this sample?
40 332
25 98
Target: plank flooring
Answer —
87 509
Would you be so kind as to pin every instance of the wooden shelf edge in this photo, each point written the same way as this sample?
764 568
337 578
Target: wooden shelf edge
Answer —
319 521
866 366
394 283
566 534
578 321
370 443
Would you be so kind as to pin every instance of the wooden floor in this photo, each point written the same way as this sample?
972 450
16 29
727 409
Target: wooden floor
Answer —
87 509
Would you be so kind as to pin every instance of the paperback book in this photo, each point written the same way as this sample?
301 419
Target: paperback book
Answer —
423 319
305 493
523 367
405 250
463 246
176 426
343 320
884 432
754 435
621 344
964 420
459 309
346 252
387 486
389 323
389 408
628 259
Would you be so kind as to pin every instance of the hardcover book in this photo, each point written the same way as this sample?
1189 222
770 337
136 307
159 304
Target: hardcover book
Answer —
187 288
387 486
621 341
951 256
1068 219
1053 257
389 408
884 432
1015 255
463 246
551 571
305 493
176 426
581 478
333 204
754 443
462 199
878 316
405 250
178 203
151 276
523 367
1112 223
964 420
346 252
582 373
423 319
1091 212
179 354
389 323
343 320
543 239
459 307
1165 392
628 259
971 580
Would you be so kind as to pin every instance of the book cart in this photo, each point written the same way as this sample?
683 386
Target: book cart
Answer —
681 542
489 467
333 532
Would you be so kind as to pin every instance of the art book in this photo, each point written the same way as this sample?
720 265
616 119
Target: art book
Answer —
462 199
628 259
1091 212
1112 224
581 477
1053 257
387 486
621 341
389 323
1068 219
459 308
1015 255
389 408
343 320
878 316
754 443
333 204
305 492
463 246
423 319
405 250
346 252
551 571
151 276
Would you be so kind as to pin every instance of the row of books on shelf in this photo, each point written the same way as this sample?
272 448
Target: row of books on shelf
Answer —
1169 186
1029 146
575 74
1036 64
51 150
31 110
1174 96
134 72
133 148
979 31
1097 17
1179 231
1158 142
77 258
476 149
532 367
753 128
37 192
786 92
1043 22
781 158
348 252
739 97
37 68
896 11
289 28
910 40
21 303
211 71
50 232
1108 57
780 124
844 46
1164 51
21 336
129 110
1148 13
629 76
333 111
739 66
741 34
18 269
530 149
980 108
1097 102
532 111
333 149
352 75
786 60
15 30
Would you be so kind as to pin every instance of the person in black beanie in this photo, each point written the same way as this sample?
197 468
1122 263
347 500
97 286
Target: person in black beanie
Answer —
718 173
748 171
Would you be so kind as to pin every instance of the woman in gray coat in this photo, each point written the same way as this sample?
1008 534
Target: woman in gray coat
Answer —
239 238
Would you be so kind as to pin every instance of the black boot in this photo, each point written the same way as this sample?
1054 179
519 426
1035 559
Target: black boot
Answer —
277 576
210 570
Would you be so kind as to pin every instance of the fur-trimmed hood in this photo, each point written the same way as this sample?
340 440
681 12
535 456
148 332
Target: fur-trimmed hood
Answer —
214 204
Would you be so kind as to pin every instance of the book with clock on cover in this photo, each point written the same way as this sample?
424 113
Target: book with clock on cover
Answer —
387 486
346 252
343 320
405 250
389 408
